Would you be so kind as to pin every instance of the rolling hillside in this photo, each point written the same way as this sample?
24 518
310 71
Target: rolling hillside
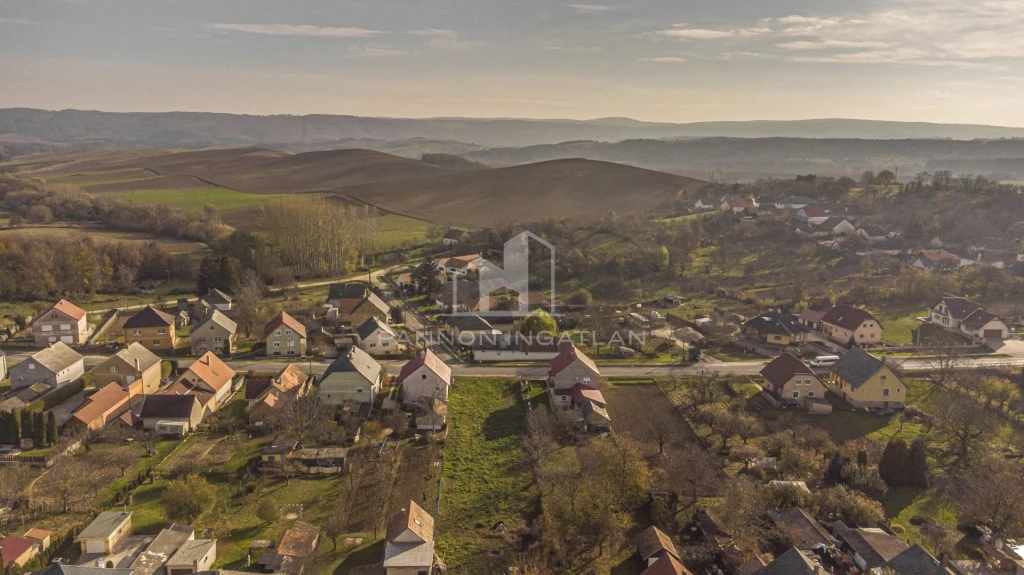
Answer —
469 196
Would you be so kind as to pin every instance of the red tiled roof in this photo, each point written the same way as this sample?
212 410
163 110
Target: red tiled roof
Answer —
212 370
581 393
666 565
13 547
783 368
67 308
287 321
566 356
106 400
432 362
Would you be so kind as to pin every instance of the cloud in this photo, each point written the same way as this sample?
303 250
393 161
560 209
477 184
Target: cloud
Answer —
296 30
435 33
592 8
828 44
377 51
708 34
664 59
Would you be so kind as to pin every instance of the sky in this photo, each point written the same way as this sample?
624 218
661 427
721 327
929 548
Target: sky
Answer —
950 61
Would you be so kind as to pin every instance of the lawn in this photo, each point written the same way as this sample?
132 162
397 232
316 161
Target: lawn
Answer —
224 199
396 231
487 476
899 323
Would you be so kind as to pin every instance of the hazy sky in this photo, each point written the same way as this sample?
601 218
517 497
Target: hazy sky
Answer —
667 60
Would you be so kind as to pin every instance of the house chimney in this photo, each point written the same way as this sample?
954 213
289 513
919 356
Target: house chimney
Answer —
943 559
138 366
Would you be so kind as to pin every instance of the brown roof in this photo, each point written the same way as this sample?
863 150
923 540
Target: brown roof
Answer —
289 378
67 308
666 565
804 530
413 518
298 541
783 368
287 321
12 547
37 533
875 546
814 211
811 315
104 401
567 356
960 308
433 363
182 387
149 317
212 371
848 317
652 541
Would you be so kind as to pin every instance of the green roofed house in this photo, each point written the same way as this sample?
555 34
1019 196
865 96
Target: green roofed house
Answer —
353 377
866 382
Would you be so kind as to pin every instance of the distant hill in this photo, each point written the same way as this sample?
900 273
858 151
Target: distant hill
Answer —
205 130
458 192
781 156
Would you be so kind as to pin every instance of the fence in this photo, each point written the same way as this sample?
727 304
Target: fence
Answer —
102 329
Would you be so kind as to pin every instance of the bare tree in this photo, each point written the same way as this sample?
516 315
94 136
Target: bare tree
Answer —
703 387
965 423
539 439
947 361
249 301
121 457
303 419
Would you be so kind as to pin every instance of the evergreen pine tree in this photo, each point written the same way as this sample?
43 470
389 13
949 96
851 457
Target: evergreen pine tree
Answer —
5 430
51 428
834 474
39 428
227 275
209 272
917 464
892 465
15 427
26 423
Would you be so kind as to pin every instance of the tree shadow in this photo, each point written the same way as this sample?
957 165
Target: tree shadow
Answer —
369 555
631 566
503 423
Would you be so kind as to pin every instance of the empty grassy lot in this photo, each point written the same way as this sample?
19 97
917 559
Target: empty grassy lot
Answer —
487 476
224 199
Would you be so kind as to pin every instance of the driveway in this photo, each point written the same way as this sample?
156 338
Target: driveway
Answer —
1010 347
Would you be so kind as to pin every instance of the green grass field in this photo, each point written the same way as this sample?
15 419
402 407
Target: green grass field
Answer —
487 477
898 323
396 231
224 199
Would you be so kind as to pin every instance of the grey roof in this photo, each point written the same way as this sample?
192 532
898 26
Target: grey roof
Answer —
57 357
857 366
105 524
960 308
150 317
137 351
875 546
168 406
347 290
804 530
161 548
774 321
409 554
355 361
377 302
215 296
917 561
792 562
471 322
191 551
371 325
218 318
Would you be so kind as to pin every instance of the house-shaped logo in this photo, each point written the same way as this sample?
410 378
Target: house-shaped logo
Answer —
514 276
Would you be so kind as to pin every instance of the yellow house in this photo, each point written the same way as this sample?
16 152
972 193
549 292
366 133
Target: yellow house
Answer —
847 325
776 328
135 368
865 381
152 328
790 380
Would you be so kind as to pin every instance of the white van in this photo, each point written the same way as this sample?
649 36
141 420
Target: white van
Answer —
824 360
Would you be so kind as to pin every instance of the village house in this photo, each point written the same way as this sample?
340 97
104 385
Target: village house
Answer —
175 415
193 556
509 346
567 369
18 550
135 368
105 532
452 236
737 205
803 530
101 408
916 561
839 226
152 328
153 559
409 537
871 547
356 303
848 325
936 260
813 215
865 381
208 378
64 322
56 365
469 324
278 450
658 553
264 394
354 377
40 536
284 335
791 381
377 337
706 204
810 318
406 281
458 265
963 316
215 333
213 300
776 328
425 377
793 202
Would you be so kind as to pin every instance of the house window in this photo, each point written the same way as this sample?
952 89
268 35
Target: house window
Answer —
137 332
884 377
885 392
65 326
47 328
161 331
278 332
113 369
424 376
373 345
156 342
358 390
287 332
810 394
796 394
31 366
277 344
218 339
